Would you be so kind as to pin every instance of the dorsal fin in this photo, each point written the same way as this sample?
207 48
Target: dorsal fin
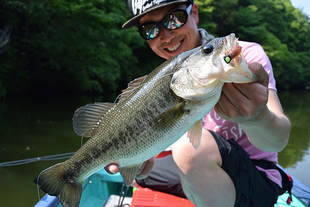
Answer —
86 118
132 85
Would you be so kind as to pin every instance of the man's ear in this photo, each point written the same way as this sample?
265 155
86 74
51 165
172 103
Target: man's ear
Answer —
195 12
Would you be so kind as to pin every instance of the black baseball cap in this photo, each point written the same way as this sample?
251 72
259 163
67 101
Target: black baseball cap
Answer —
139 8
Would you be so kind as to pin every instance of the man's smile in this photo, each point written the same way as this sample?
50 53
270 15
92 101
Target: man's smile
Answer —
175 47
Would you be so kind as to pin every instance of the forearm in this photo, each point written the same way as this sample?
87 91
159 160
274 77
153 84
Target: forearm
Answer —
269 131
258 111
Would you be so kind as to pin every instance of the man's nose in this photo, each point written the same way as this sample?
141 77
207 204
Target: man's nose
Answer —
166 35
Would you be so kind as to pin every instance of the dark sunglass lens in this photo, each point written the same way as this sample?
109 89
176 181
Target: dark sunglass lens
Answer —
172 21
181 15
175 20
149 31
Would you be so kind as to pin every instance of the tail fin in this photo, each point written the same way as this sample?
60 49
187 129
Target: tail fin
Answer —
55 181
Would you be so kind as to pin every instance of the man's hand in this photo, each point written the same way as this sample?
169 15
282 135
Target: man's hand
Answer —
243 102
113 169
257 110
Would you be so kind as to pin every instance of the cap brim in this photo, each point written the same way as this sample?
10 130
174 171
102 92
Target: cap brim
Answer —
135 20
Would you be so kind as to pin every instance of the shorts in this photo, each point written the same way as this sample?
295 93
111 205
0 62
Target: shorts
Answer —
253 188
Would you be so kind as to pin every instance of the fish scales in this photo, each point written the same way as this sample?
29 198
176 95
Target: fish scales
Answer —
153 113
143 110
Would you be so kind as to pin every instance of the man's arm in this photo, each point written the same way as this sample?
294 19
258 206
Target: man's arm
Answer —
257 110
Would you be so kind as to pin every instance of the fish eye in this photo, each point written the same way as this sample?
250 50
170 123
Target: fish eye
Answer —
208 49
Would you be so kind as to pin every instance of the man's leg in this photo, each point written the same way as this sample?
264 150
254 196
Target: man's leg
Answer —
204 181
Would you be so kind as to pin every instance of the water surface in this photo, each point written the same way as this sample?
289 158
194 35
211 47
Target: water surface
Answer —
36 127
295 157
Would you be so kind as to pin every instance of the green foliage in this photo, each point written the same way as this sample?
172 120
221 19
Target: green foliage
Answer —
206 9
78 45
281 29
68 46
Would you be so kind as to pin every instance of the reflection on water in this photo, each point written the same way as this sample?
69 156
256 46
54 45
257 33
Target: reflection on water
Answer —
36 127
297 107
295 157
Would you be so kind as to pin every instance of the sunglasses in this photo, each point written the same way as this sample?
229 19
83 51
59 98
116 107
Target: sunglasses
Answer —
172 21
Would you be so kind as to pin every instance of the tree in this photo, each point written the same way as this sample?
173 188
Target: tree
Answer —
79 46
280 28
69 46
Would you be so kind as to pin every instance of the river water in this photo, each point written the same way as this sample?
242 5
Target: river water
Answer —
35 126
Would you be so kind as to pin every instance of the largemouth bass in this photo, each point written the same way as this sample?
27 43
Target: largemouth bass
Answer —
152 113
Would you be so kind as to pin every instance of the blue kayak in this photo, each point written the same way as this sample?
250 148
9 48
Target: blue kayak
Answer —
100 186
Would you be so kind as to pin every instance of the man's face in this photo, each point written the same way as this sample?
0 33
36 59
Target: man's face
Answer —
169 43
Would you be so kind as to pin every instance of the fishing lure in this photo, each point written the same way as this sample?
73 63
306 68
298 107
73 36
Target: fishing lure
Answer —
234 52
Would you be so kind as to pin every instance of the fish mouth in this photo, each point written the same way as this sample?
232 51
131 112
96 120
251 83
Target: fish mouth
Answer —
231 53
231 41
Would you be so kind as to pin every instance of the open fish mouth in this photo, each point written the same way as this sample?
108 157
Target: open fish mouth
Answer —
232 53
204 72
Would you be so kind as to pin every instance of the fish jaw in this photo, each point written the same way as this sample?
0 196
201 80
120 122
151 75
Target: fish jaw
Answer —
203 75
237 70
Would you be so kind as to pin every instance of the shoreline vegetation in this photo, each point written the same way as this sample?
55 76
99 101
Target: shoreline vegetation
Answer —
59 46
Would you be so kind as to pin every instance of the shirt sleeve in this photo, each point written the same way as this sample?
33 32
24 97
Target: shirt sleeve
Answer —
254 52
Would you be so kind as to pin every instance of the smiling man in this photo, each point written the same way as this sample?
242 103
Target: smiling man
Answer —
235 162
171 44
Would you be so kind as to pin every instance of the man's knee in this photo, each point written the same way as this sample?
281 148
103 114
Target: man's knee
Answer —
188 158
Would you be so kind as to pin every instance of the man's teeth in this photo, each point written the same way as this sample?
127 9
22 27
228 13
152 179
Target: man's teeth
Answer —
171 49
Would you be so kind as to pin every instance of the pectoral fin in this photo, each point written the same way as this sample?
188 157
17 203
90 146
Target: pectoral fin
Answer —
171 114
194 134
130 172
